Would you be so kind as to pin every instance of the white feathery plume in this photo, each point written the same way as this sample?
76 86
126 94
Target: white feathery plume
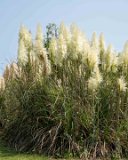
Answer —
122 84
38 45
41 57
93 83
22 53
62 50
111 60
2 83
62 28
11 71
32 56
26 36
78 41
94 41
95 80
39 33
97 74
14 70
86 50
102 46
123 57
64 31
92 58
6 73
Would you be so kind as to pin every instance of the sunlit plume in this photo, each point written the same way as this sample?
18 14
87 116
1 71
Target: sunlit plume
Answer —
39 33
92 58
11 71
61 49
22 53
122 84
78 41
26 36
42 58
63 30
15 71
102 42
123 57
95 79
2 83
111 59
94 41
6 73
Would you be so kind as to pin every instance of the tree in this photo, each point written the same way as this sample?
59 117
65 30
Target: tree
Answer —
51 31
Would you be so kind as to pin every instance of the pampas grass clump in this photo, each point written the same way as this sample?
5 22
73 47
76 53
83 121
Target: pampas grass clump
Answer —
70 98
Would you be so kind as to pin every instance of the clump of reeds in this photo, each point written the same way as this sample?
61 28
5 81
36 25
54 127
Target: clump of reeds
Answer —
70 98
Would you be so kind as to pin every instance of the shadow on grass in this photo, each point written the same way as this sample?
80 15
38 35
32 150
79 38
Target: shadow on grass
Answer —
9 154
5 152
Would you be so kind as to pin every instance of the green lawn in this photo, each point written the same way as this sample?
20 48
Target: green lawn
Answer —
7 154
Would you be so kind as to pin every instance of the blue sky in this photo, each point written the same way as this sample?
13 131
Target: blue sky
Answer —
108 16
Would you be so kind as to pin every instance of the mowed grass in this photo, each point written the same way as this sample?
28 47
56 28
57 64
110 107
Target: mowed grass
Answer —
8 154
